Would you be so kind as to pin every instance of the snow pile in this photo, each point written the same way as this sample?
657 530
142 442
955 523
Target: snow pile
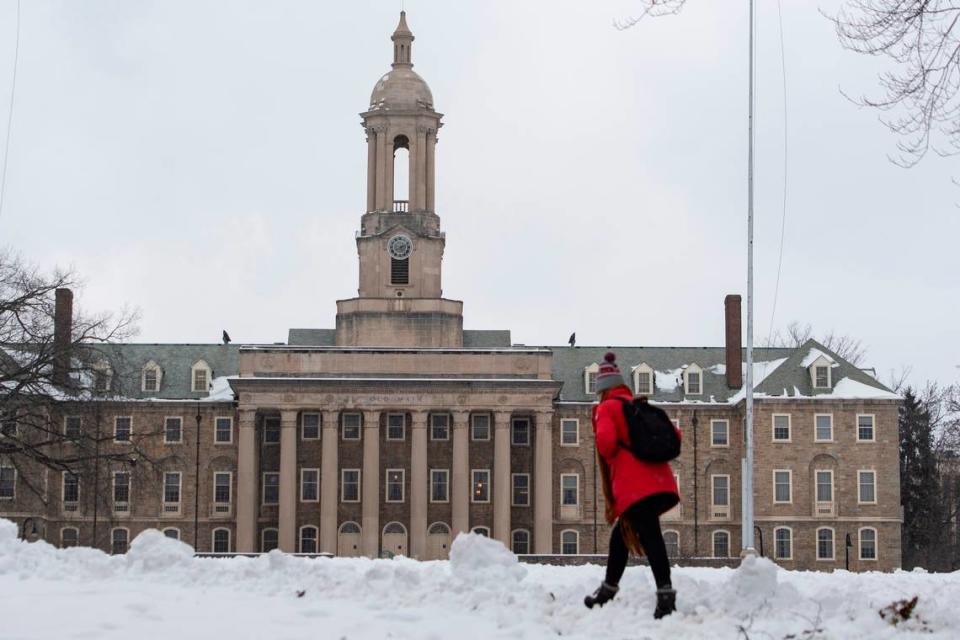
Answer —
157 591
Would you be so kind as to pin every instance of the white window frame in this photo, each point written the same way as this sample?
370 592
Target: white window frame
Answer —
213 540
403 427
726 433
713 489
789 473
165 440
446 484
263 538
163 494
513 541
213 496
263 488
303 425
386 485
113 492
200 365
576 542
128 441
593 369
776 550
303 472
873 474
873 426
126 532
876 544
151 366
66 421
343 485
676 533
221 442
13 485
316 538
272 419
445 416
773 427
75 529
344 426
513 490
576 432
643 367
821 362
513 431
816 433
576 477
473 418
474 483
176 529
833 544
693 368
713 542
63 488
816 486
102 373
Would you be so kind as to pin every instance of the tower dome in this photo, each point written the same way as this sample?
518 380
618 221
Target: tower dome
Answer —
401 87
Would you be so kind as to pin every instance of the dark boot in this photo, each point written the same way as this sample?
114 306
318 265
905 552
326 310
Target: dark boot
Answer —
666 602
601 596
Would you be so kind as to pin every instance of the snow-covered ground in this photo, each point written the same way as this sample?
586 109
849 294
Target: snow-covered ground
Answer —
159 590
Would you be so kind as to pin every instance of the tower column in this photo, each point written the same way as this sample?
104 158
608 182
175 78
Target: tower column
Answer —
388 161
370 509
430 164
328 483
501 477
381 198
418 485
421 168
543 485
247 481
460 480
371 169
287 535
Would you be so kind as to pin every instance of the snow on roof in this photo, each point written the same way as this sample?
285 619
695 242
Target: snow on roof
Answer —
849 389
815 354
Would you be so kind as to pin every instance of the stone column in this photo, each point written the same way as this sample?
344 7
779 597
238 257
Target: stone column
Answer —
388 161
329 473
371 169
430 204
501 477
414 149
460 474
421 171
543 485
370 524
418 485
381 134
247 482
287 534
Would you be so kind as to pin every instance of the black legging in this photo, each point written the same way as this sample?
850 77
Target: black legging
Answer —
646 523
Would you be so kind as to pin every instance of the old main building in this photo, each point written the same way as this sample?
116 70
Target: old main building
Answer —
398 429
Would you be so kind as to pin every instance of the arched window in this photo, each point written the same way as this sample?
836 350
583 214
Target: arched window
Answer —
119 540
520 541
221 540
150 377
483 531
868 543
394 527
102 376
643 379
308 539
721 544
439 528
401 173
172 532
672 540
200 377
783 543
825 543
69 537
569 542
269 540
349 527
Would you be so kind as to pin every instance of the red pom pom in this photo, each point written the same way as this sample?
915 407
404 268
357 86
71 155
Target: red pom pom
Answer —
610 357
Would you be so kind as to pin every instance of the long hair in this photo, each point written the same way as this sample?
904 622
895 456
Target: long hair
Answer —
629 533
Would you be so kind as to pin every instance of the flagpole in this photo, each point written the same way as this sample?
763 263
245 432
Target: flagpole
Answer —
747 463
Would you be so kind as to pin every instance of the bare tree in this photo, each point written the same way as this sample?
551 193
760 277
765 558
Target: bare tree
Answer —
849 348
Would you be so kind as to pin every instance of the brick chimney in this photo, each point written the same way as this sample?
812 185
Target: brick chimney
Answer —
62 336
734 344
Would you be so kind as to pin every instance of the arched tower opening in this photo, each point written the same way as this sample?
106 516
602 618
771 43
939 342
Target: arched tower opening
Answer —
401 174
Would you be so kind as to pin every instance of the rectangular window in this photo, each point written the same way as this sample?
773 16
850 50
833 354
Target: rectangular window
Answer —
823 427
394 485
721 544
782 486
69 537
222 482
520 432
439 485
481 485
824 486
824 544
868 544
396 426
8 483
591 382
569 489
71 488
721 490
172 430
351 426
569 432
271 487
350 485
868 487
644 383
310 426
150 379
72 426
693 383
521 489
121 488
569 543
480 426
221 541
200 379
865 429
720 433
783 543
309 485
400 271
171 487
439 426
118 540
822 377
781 427
223 431
122 428
271 430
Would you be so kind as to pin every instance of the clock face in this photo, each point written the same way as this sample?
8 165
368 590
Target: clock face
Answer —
400 247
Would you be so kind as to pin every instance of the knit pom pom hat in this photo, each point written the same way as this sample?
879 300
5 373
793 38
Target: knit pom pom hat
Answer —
608 376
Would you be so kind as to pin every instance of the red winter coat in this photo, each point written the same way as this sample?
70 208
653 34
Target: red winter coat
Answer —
631 479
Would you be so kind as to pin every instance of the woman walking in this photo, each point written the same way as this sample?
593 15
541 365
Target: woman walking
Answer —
637 493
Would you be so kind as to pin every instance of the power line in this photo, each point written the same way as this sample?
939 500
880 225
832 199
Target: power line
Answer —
783 220
13 91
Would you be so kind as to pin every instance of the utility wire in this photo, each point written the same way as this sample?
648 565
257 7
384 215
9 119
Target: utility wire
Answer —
783 220
13 91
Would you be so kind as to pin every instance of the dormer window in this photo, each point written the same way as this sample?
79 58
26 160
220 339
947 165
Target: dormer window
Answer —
102 376
150 377
821 372
200 375
693 380
590 378
643 379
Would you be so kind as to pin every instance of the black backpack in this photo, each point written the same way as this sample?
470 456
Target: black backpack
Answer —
653 437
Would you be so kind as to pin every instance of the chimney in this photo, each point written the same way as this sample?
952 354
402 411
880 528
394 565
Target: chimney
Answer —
734 344
62 336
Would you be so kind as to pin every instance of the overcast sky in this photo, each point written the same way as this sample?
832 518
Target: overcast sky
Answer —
203 161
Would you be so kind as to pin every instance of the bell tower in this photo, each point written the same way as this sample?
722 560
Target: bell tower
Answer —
400 245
